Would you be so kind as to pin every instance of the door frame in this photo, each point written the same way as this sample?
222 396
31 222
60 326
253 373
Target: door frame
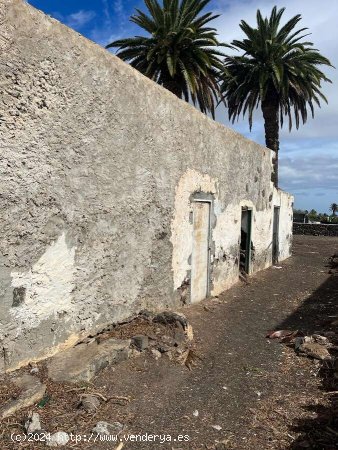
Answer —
200 199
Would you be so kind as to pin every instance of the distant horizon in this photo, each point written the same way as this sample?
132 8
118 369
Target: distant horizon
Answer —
309 156
300 210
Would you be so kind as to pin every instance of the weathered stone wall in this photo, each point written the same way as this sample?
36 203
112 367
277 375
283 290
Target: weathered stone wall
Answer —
98 169
315 229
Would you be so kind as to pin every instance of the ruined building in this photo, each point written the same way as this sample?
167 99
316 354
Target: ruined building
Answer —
115 195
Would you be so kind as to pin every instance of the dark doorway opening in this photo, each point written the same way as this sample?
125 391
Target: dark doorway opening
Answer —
245 247
275 235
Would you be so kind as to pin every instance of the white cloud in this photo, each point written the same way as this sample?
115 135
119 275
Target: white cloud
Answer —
78 19
311 178
118 7
115 24
317 171
308 156
104 36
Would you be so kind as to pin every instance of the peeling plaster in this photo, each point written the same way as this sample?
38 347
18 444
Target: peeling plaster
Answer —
181 226
226 236
48 286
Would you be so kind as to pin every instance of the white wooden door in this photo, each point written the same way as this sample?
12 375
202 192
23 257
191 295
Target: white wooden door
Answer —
200 252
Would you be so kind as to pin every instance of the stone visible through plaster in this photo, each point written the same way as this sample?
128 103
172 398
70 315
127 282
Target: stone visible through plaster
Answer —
19 294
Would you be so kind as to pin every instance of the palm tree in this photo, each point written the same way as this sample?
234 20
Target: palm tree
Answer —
179 52
278 71
334 208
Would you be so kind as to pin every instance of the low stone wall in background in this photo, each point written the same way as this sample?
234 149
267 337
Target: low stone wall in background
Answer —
315 229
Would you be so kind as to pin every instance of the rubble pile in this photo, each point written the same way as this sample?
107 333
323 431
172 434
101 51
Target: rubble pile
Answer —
316 346
322 348
167 334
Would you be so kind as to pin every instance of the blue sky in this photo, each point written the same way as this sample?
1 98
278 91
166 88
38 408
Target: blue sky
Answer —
309 156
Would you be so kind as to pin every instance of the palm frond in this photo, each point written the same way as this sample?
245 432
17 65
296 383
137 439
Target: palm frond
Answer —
276 62
181 52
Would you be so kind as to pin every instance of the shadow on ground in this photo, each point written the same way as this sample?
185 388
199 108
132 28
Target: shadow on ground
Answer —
317 315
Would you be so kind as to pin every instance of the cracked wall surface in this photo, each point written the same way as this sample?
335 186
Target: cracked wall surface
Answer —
99 167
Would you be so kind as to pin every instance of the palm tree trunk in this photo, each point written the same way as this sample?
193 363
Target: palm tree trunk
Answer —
270 109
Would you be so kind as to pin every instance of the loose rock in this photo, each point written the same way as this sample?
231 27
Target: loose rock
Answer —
157 354
180 334
58 439
167 340
107 429
315 350
141 342
82 362
32 423
299 341
322 340
164 348
32 392
169 317
90 403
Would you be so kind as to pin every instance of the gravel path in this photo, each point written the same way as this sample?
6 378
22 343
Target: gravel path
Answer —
238 363
240 372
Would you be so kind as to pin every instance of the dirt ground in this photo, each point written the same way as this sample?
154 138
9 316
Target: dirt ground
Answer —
246 392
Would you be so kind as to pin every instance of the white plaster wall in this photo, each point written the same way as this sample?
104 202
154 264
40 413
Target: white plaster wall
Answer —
285 202
97 168
225 233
